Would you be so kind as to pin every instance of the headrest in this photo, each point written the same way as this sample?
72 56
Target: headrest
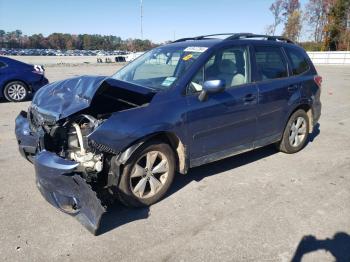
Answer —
227 67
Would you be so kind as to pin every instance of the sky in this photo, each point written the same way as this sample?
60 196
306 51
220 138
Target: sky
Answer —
162 19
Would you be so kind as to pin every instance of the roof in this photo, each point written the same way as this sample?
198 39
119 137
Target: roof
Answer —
10 61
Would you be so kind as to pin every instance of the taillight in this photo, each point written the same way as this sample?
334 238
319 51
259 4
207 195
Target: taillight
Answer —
318 80
38 69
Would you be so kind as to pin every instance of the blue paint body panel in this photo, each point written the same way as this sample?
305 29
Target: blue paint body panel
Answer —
18 71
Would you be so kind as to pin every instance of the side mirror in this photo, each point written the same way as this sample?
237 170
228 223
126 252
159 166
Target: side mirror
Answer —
211 87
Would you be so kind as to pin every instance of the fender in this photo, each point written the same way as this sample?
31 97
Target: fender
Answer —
123 157
125 131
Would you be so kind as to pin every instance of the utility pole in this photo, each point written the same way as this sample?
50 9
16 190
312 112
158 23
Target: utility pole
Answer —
141 18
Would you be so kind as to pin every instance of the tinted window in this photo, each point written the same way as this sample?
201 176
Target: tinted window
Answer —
270 62
298 60
229 64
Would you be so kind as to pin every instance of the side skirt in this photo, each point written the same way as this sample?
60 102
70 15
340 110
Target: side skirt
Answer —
234 151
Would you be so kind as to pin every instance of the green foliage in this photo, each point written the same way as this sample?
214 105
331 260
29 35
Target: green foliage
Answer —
337 36
16 39
312 46
326 19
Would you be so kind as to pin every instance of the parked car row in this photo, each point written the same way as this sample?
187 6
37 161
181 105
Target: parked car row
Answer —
128 57
53 52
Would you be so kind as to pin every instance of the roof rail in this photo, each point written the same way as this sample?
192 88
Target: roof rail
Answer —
250 35
237 36
200 37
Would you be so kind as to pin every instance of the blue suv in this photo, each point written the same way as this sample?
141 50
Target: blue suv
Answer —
178 106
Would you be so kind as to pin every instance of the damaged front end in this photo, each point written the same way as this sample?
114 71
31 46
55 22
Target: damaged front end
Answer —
74 173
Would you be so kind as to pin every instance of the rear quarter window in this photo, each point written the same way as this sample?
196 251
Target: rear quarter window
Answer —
298 60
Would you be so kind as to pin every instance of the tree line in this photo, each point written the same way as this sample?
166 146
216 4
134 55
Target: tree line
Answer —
16 39
328 20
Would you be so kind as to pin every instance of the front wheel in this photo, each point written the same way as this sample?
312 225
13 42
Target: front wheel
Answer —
16 91
296 133
148 175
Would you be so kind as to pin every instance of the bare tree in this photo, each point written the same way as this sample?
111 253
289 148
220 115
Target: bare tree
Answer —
292 19
293 26
289 6
276 9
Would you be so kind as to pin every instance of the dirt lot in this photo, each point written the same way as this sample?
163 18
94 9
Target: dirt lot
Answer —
253 207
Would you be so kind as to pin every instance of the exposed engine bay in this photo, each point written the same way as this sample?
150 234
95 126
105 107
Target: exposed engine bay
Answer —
77 145
69 140
68 137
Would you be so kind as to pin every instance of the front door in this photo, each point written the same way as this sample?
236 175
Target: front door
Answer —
225 123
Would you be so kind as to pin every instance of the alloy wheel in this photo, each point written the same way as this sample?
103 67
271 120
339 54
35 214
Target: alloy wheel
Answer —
149 174
17 92
297 132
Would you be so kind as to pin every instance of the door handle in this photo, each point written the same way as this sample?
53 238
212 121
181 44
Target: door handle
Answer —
249 98
292 88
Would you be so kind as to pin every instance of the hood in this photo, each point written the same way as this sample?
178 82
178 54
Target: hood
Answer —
64 98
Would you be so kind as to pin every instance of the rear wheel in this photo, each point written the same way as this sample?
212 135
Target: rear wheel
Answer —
296 133
16 91
148 175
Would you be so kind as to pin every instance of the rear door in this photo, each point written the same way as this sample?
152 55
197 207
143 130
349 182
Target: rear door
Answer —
226 122
277 92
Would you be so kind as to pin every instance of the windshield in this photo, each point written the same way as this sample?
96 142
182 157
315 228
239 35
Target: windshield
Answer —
161 67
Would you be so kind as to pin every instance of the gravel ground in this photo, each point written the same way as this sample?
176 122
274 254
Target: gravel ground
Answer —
253 207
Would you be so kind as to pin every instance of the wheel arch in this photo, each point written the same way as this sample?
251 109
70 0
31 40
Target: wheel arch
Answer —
308 109
167 137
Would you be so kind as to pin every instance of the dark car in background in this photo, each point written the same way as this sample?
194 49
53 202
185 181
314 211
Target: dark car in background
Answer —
178 106
18 80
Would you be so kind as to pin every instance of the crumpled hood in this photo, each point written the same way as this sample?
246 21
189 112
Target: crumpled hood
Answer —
63 98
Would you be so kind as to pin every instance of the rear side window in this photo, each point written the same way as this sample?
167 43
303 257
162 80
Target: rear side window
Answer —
270 62
298 60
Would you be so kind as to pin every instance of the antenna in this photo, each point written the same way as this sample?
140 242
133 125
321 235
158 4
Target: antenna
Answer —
141 14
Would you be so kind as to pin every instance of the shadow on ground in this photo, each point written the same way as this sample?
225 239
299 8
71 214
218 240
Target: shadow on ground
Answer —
4 101
119 215
338 246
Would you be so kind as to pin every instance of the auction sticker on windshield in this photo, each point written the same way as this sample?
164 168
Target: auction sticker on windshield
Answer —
198 49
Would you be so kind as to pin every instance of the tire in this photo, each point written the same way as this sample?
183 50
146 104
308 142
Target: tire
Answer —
16 91
291 145
137 187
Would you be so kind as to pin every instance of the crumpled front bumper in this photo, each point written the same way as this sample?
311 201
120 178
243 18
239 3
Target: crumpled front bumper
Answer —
57 180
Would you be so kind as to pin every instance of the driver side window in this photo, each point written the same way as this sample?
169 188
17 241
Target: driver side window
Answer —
230 65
